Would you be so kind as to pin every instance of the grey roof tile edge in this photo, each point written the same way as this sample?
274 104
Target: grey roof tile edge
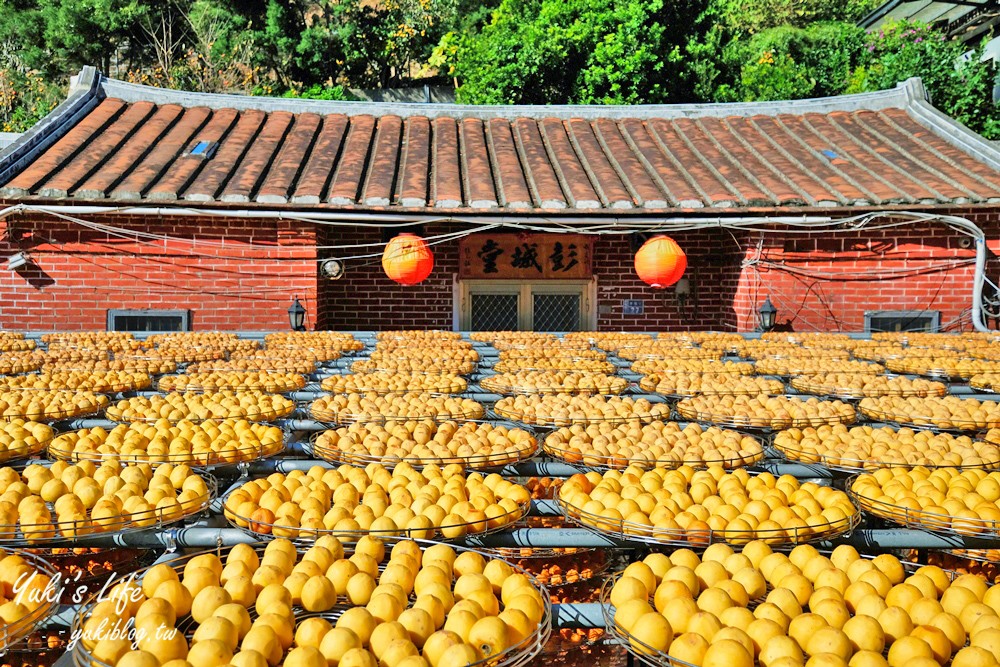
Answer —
948 129
84 94
7 138
877 101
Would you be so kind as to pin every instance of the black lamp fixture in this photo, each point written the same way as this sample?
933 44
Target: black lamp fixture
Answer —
767 315
297 315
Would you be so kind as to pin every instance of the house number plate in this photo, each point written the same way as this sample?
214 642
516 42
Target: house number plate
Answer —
633 306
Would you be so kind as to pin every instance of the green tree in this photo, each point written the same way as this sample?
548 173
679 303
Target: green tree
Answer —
775 77
21 28
25 98
574 51
318 92
497 51
217 54
786 62
58 37
809 40
739 18
961 87
44 42
231 45
388 43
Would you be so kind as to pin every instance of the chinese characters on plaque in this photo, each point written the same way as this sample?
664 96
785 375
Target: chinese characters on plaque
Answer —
526 256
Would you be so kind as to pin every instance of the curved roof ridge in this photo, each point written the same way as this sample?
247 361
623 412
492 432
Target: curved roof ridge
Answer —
896 97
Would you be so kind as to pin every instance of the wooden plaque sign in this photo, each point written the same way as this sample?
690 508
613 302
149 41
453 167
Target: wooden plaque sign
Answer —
526 256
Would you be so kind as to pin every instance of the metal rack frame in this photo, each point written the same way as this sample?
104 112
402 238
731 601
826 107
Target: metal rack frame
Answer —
213 532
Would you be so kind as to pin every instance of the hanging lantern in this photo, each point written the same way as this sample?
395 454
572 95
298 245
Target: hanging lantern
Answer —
660 262
407 259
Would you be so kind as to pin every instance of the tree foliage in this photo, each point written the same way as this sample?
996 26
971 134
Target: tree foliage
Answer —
962 86
792 49
494 51
301 47
25 98
787 62
742 18
574 51
68 33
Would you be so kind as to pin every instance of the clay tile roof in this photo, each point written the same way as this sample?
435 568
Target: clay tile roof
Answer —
117 142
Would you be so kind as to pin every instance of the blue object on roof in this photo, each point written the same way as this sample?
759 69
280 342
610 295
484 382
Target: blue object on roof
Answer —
204 149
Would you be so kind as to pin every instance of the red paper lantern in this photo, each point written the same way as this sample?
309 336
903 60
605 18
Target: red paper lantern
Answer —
660 262
407 259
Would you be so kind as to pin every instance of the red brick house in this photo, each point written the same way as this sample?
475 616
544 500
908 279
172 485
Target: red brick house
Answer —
223 208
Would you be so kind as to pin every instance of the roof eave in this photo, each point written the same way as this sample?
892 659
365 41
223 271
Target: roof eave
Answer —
463 214
84 94
879 13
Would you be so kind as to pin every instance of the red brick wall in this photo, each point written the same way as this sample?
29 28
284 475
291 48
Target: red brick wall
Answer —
905 268
242 274
238 275
827 282
365 299
713 271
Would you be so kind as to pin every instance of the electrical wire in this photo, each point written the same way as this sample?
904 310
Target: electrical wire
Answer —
880 274
755 262
551 225
868 221
135 235
172 288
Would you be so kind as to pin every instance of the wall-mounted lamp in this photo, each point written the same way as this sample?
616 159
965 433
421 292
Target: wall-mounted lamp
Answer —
332 269
297 316
682 290
767 315
16 261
